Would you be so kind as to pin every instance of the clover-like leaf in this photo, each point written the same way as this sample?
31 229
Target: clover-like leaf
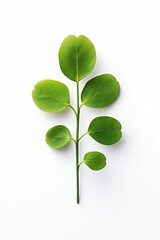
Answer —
100 91
105 130
58 136
95 160
51 95
77 57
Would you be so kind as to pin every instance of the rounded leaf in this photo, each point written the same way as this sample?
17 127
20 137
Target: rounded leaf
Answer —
58 136
77 57
51 96
95 160
105 130
100 91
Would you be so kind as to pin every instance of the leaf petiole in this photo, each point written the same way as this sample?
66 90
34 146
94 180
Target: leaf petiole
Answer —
80 106
73 110
73 140
80 164
82 136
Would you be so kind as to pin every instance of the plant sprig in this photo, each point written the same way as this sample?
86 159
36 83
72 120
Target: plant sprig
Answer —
77 58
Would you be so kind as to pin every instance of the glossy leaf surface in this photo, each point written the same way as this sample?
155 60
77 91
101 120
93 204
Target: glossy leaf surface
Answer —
105 130
51 96
58 136
95 160
100 91
77 57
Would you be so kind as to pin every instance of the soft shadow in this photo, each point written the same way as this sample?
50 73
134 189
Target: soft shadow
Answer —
63 149
64 154
118 145
63 114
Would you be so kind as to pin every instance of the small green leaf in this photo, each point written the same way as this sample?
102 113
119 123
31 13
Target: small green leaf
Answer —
58 136
77 57
105 130
95 160
100 91
51 96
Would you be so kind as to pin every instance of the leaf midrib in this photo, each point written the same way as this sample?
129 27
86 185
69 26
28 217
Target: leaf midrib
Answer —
77 60
56 100
95 160
60 137
105 130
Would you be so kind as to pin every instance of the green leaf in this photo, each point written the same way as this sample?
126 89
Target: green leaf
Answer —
51 96
95 160
58 136
105 130
100 91
77 57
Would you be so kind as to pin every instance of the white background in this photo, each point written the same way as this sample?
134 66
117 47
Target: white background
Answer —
37 184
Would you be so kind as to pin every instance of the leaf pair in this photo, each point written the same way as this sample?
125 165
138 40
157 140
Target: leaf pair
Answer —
105 130
59 136
54 96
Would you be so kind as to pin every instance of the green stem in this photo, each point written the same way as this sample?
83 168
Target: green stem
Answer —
77 143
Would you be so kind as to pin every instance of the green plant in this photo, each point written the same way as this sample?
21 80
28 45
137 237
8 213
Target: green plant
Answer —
77 58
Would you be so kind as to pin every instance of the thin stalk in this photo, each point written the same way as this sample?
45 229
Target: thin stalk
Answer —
73 140
80 164
73 110
77 142
82 136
